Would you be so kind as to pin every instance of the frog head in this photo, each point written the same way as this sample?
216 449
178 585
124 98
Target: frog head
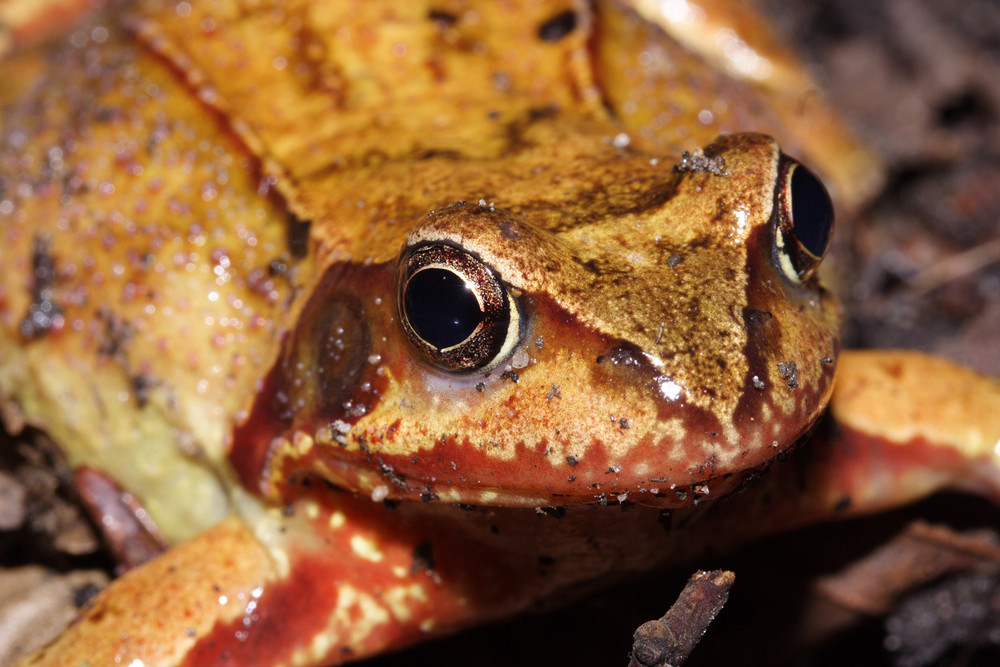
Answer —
655 342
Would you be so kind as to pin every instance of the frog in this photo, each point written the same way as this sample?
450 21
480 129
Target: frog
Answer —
383 313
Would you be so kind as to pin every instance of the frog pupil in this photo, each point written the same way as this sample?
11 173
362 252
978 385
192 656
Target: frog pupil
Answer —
441 307
812 211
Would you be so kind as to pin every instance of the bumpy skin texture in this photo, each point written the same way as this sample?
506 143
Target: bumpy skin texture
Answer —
518 121
203 212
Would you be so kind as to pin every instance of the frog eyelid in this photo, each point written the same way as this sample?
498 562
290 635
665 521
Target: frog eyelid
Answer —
803 221
454 308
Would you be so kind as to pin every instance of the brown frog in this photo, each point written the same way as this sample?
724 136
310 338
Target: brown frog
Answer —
376 307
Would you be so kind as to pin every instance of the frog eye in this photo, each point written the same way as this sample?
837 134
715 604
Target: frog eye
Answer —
804 221
455 309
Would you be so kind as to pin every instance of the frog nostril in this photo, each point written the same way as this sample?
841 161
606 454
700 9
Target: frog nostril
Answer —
629 362
623 354
558 26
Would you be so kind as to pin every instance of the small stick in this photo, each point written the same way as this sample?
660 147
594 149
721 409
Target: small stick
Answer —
668 641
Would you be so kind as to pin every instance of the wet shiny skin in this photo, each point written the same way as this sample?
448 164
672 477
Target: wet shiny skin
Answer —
226 197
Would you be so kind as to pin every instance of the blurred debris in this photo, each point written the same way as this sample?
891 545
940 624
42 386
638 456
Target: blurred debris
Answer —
38 504
956 621
921 554
128 530
939 587
37 604
50 556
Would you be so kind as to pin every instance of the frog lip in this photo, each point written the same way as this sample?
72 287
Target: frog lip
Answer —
390 478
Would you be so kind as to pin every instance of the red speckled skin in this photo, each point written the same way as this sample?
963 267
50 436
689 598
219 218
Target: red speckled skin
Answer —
202 217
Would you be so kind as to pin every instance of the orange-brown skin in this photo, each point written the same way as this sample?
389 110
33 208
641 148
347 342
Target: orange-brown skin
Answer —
203 216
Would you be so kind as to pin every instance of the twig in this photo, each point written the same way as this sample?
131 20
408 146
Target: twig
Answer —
955 267
668 641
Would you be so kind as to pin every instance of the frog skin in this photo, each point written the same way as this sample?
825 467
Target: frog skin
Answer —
215 220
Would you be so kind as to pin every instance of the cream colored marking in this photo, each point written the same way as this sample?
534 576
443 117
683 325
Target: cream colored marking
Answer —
785 259
366 548
731 434
743 59
302 443
491 497
399 597
345 625
324 435
266 524
400 571
337 520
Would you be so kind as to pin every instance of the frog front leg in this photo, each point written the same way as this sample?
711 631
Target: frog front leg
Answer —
900 426
329 579
156 612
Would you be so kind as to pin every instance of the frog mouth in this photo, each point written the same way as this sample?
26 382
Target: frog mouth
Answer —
457 472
